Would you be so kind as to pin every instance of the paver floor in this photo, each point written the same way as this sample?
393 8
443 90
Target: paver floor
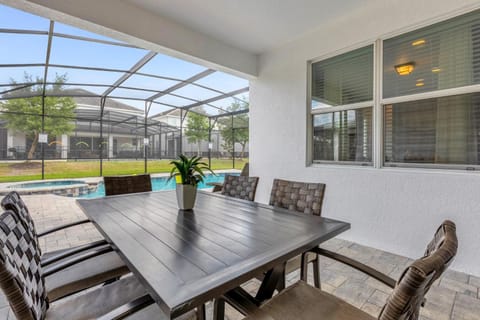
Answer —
455 296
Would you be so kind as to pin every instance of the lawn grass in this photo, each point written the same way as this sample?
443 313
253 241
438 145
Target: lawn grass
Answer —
13 172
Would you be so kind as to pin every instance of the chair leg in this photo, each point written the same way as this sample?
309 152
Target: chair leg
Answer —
304 268
281 282
219 309
201 312
316 273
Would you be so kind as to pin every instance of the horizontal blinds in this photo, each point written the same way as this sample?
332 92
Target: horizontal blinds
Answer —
435 131
444 55
344 79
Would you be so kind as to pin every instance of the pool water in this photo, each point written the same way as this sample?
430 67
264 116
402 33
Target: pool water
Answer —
160 183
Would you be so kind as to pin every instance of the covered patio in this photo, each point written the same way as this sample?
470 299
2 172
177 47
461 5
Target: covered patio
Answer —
377 100
455 296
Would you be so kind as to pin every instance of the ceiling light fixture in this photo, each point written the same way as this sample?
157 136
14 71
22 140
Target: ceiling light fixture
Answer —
405 69
436 69
418 42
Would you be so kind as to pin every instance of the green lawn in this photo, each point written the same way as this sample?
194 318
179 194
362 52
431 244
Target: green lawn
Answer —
11 172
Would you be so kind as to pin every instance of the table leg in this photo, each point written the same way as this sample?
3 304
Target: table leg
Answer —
269 283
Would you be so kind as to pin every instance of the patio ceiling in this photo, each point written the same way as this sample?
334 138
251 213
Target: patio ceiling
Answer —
106 69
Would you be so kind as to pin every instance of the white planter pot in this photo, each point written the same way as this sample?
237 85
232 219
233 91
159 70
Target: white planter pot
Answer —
186 195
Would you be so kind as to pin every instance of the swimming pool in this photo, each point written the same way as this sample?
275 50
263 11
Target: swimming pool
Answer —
160 183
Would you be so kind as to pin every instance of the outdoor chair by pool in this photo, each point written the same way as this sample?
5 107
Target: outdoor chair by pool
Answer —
116 185
303 197
22 280
217 186
74 269
300 197
301 301
240 187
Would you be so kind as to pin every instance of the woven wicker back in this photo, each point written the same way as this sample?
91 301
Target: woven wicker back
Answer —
14 202
20 272
298 196
240 187
116 185
409 294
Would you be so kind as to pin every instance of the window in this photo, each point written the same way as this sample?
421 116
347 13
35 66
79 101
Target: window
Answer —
429 100
341 104
429 123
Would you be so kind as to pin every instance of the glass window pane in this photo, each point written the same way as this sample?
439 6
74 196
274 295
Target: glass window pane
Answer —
344 79
434 131
343 136
441 56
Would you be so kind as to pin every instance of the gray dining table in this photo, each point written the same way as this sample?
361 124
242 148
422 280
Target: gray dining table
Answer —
185 258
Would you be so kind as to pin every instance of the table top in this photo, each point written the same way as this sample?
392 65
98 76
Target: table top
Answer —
185 258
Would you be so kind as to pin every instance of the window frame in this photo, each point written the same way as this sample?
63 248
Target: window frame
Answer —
346 107
378 104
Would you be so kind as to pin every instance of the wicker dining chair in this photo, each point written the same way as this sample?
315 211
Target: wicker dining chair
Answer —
301 301
116 185
22 280
240 187
303 197
300 197
74 269
217 186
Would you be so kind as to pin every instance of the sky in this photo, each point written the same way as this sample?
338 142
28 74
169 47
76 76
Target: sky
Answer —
29 49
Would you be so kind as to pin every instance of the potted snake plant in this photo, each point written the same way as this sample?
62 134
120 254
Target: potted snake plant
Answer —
188 173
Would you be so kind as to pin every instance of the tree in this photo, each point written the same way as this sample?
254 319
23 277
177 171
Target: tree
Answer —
25 114
238 131
196 130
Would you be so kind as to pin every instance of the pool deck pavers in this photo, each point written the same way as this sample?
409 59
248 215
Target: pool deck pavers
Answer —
455 296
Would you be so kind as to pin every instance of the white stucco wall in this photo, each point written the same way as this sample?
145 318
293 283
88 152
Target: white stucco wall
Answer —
396 210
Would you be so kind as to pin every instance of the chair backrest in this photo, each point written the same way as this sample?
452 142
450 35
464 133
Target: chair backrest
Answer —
240 187
298 196
12 201
116 185
245 171
21 277
409 293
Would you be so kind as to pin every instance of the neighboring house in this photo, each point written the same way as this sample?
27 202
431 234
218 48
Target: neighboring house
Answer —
121 137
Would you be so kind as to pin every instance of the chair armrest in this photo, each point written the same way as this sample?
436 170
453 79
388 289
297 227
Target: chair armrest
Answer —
77 259
130 308
70 252
356 265
68 225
